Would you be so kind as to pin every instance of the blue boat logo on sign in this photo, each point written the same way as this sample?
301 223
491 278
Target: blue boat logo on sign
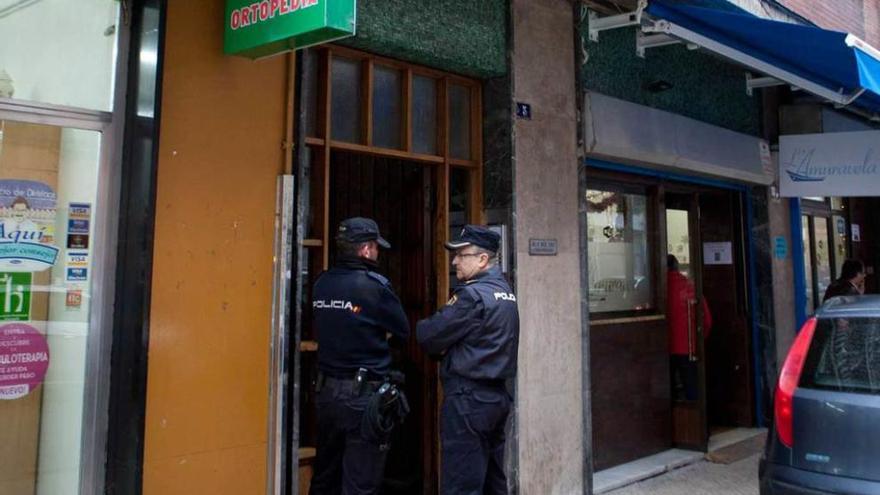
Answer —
803 178
800 167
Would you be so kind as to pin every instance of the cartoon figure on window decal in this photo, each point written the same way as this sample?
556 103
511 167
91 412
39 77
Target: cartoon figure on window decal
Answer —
27 226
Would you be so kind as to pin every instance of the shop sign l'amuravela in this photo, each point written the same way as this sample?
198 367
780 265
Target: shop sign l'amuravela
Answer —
257 28
833 164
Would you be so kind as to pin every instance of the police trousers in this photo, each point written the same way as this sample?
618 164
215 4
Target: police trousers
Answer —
345 463
472 422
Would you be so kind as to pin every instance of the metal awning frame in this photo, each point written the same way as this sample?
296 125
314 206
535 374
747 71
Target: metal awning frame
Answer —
598 24
671 29
660 32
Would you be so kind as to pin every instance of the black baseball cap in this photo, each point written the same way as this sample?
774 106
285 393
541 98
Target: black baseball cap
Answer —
476 235
360 229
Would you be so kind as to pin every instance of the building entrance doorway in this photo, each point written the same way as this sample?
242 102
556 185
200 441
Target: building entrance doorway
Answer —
400 144
712 383
823 231
644 402
398 195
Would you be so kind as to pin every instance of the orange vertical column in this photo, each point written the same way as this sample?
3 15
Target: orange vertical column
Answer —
221 149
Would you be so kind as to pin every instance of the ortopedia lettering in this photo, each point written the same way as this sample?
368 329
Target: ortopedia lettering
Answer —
265 10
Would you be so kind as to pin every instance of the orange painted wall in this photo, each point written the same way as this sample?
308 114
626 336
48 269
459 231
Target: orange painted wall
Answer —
220 153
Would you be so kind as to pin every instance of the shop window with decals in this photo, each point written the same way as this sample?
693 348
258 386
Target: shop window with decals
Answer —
824 230
58 61
620 277
48 179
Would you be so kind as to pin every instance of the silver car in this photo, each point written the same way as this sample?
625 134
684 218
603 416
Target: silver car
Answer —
826 432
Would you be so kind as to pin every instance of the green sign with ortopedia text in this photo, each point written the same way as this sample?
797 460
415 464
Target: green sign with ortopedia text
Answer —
260 28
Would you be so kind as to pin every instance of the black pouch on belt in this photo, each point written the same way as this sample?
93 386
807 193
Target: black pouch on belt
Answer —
386 410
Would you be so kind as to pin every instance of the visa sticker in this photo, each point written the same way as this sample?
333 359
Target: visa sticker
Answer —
77 274
77 259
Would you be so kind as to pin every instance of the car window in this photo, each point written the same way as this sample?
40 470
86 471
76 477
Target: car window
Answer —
844 356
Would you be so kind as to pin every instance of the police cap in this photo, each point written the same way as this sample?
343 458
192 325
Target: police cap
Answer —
359 229
476 235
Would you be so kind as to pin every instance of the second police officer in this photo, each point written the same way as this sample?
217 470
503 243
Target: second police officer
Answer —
477 333
354 310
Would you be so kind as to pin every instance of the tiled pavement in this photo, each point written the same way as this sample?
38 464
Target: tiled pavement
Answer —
702 478
686 472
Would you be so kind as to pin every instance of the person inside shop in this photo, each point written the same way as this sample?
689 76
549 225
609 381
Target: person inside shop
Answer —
354 310
851 281
477 334
681 316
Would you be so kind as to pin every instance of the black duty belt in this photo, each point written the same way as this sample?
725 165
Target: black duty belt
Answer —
332 380
360 382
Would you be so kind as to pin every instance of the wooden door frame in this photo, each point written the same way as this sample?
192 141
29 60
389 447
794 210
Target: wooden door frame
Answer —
681 410
321 146
654 192
739 242
673 181
603 324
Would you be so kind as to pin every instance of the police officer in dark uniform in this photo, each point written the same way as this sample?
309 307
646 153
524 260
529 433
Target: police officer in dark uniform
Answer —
354 311
477 332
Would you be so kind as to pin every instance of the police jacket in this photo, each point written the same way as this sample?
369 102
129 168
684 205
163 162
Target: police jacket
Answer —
353 308
478 330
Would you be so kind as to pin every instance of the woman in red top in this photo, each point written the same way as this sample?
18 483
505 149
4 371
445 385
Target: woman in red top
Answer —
680 295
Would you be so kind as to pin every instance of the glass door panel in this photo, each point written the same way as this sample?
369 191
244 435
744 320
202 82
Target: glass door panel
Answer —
48 183
345 106
823 256
808 265
459 122
424 115
839 247
678 240
684 321
387 107
618 252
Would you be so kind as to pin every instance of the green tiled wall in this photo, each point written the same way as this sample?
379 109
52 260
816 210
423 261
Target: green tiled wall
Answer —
461 36
704 87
